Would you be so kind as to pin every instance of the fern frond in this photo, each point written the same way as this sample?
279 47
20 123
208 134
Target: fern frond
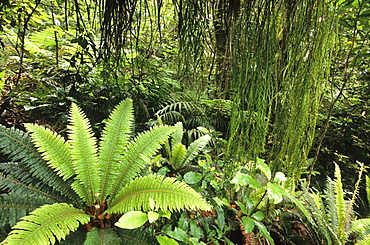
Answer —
331 204
115 137
176 137
362 228
168 193
177 155
138 236
53 148
102 236
19 148
11 184
340 202
18 179
14 206
137 155
194 149
46 223
83 151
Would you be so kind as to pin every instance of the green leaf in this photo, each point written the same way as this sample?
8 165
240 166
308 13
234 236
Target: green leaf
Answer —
248 224
164 240
264 168
258 216
46 224
192 177
132 220
264 231
245 179
152 216
275 193
177 155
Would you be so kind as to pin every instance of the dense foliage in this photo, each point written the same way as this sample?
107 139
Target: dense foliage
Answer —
266 104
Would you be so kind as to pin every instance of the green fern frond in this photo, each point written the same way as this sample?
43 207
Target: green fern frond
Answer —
115 137
331 204
10 183
140 236
53 148
194 149
46 223
18 179
14 206
340 202
176 137
367 188
19 148
102 236
137 155
84 154
177 155
168 193
362 228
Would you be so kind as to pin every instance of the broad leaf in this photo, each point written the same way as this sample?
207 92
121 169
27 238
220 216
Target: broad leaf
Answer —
132 220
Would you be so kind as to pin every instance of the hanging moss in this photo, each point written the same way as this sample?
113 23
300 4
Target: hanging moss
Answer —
280 65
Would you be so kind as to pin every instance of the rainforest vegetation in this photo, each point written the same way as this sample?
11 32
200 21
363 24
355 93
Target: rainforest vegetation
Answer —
184 122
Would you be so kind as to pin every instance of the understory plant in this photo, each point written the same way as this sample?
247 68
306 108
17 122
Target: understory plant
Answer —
332 213
77 185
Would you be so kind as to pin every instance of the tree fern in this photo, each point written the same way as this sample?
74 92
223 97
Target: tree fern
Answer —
46 223
167 193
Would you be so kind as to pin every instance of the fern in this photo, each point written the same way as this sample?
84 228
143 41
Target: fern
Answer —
46 223
104 177
54 150
84 154
137 237
167 193
180 156
341 206
194 149
14 206
136 155
177 155
19 147
115 138
102 236
362 228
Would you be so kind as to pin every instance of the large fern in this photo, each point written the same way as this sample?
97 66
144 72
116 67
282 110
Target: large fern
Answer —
104 177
